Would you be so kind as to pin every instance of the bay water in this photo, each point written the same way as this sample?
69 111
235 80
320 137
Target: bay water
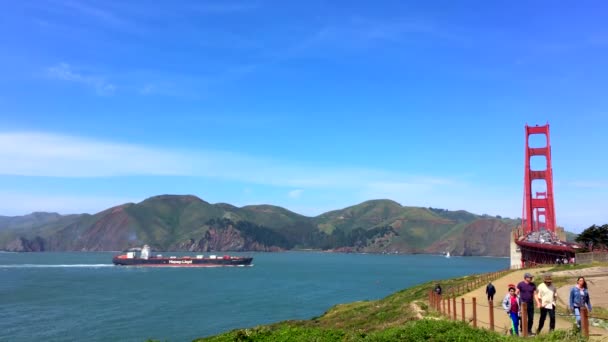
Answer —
83 297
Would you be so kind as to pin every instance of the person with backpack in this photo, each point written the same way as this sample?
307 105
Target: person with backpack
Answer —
490 291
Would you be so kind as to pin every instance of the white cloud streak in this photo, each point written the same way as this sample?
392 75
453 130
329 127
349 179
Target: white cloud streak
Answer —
64 72
103 15
295 194
223 7
37 154
41 154
44 154
53 155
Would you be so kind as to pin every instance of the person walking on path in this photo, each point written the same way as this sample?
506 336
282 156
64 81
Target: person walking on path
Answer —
512 306
545 300
438 290
490 291
526 291
579 297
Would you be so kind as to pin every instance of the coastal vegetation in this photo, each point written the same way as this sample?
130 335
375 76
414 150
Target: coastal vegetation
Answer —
421 330
387 319
594 237
402 316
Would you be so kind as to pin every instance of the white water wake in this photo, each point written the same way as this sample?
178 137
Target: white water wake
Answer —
55 266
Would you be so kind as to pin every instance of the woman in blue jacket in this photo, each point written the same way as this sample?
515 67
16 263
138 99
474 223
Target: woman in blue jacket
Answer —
579 297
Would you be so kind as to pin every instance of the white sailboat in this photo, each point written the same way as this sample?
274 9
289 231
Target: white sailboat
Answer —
447 254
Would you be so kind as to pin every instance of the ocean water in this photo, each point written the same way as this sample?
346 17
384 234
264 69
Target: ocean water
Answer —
83 297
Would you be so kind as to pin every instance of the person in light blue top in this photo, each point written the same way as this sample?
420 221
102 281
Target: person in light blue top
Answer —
579 297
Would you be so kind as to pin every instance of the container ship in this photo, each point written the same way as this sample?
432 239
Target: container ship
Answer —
143 258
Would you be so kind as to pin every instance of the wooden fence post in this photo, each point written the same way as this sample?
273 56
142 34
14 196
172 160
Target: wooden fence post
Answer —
449 307
462 305
585 321
443 311
524 319
438 303
491 316
454 303
474 312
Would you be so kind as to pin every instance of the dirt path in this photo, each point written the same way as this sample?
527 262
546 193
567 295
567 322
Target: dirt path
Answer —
502 323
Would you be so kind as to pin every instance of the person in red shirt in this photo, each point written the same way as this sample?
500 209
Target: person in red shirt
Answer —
512 306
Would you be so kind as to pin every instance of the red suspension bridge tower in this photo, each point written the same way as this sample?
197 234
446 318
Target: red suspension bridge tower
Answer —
539 210
537 240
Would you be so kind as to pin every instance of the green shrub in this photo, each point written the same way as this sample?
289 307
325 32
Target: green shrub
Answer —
434 330
283 333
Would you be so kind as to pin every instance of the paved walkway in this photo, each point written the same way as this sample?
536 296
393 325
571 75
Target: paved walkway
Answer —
502 323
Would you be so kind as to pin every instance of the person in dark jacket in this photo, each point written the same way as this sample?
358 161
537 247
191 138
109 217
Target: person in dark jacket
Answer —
438 289
490 291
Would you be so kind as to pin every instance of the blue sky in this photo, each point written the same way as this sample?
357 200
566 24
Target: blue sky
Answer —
309 105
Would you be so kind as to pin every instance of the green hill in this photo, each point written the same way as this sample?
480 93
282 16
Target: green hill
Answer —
185 222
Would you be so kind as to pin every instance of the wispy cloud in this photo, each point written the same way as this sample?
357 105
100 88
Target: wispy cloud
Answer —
152 82
402 30
53 155
362 33
41 154
124 17
223 7
101 14
295 194
165 88
45 154
64 72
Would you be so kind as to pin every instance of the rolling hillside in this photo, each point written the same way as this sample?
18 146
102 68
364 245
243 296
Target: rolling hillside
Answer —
187 223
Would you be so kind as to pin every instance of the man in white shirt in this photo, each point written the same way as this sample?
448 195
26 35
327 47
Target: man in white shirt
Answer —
545 300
